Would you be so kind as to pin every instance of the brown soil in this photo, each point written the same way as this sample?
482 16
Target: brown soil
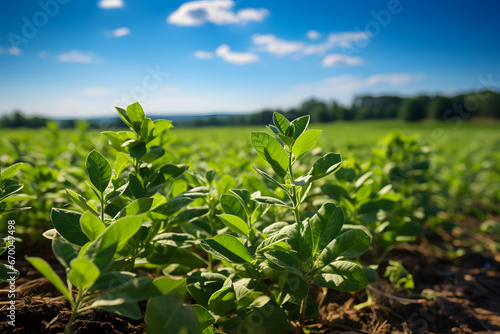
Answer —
466 290
466 299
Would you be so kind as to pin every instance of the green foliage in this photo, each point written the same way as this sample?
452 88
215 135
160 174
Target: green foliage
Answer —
243 245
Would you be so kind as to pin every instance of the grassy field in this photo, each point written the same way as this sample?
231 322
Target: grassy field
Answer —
435 134
174 203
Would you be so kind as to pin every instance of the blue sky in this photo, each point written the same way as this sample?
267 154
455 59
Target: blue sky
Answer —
70 58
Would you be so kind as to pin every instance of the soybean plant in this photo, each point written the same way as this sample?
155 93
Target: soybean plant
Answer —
316 249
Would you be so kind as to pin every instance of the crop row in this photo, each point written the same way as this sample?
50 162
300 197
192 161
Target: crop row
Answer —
244 245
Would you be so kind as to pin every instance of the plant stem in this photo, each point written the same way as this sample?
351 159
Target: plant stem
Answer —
303 306
296 212
102 207
210 262
75 312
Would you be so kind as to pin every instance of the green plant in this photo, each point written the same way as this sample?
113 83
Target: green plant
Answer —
8 187
100 246
316 249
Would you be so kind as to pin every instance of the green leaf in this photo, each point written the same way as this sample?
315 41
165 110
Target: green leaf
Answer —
170 285
274 242
6 273
67 224
137 148
371 274
201 285
63 251
137 186
234 223
168 314
80 201
245 198
110 280
305 142
114 194
153 153
300 124
162 125
270 178
138 207
298 285
204 317
46 270
102 250
181 201
281 122
362 179
11 188
284 260
227 247
136 116
343 276
323 226
232 205
273 129
83 273
223 301
172 171
129 310
347 245
122 161
123 114
147 129
286 139
116 139
133 290
210 175
178 240
91 225
10 172
225 183
99 170
271 320
328 164
271 201
161 254
271 151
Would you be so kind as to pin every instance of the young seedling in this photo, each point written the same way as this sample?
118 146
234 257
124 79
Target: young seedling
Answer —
93 261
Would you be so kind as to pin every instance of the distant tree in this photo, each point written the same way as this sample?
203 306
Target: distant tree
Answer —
413 109
490 105
437 107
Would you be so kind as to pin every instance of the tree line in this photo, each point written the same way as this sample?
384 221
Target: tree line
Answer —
473 105
485 104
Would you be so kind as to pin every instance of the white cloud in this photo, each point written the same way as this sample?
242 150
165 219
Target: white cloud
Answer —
339 59
275 45
120 32
42 54
313 34
14 51
393 79
200 54
109 4
97 91
75 56
343 40
197 13
238 58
